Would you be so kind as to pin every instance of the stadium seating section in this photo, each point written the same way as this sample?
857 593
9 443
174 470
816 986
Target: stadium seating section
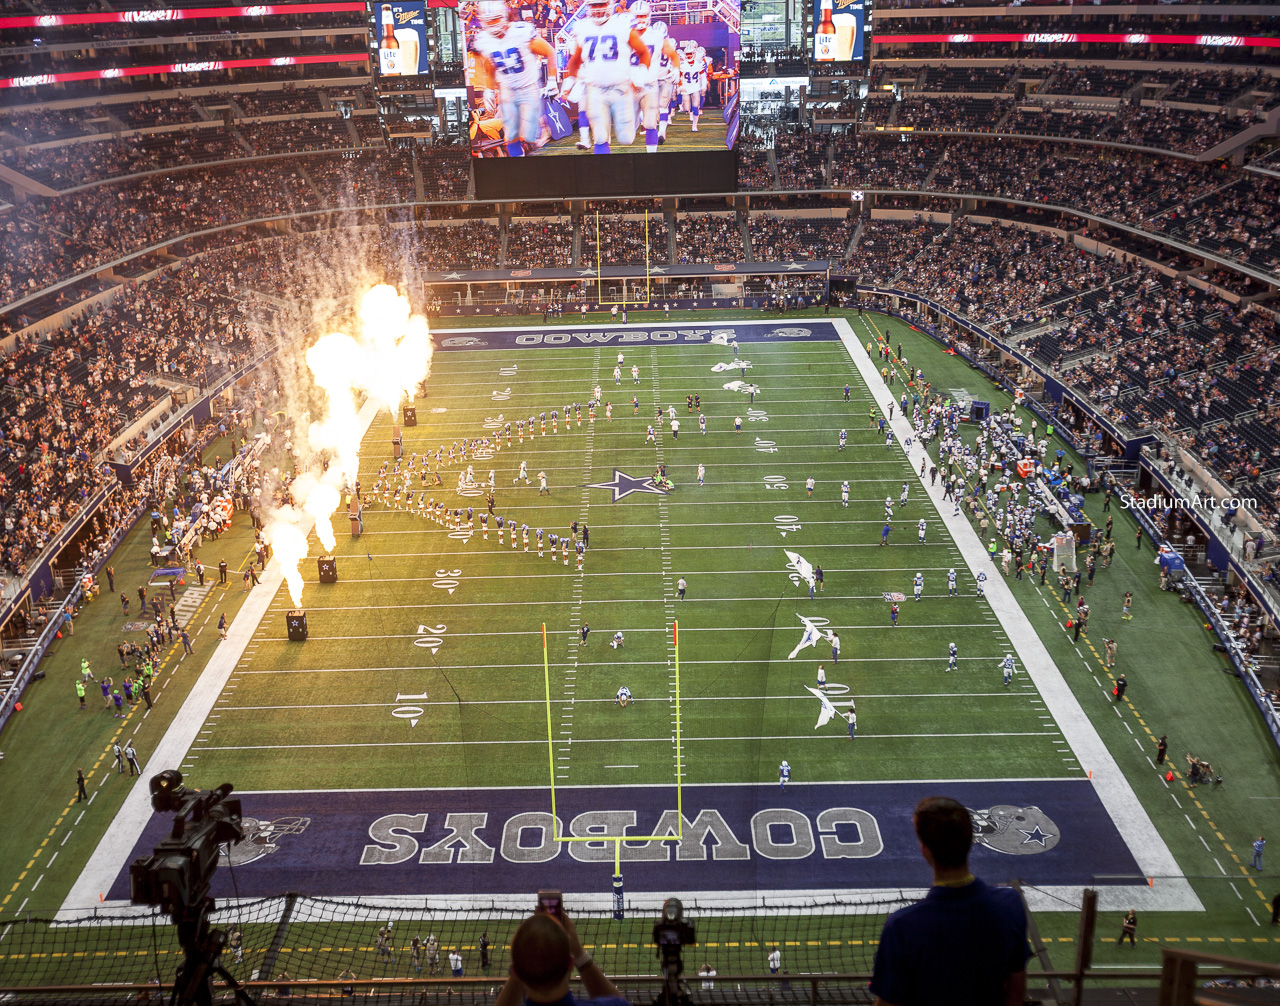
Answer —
1075 176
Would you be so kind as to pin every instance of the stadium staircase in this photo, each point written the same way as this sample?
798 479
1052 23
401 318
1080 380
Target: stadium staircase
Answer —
747 256
1269 126
239 137
853 241
773 169
928 179
669 218
577 240
419 190
301 169
504 232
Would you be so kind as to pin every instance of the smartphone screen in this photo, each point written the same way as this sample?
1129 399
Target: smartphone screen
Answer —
550 901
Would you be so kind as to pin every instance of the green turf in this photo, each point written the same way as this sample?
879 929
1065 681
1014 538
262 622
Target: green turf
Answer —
744 705
680 136
736 629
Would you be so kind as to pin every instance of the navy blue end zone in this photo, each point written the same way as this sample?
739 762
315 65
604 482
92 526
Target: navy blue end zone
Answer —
754 839
623 337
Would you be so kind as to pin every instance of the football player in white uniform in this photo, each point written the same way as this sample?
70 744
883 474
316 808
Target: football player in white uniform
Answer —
601 61
690 81
655 96
514 52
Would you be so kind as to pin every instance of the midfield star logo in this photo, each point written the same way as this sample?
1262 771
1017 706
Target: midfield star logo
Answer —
623 485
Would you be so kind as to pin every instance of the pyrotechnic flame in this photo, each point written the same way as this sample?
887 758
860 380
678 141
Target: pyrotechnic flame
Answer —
289 548
390 359
322 501
384 323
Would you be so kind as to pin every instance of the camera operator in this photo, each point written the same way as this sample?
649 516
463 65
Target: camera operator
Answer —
544 952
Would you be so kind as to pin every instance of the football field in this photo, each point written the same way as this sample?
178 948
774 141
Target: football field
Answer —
711 135
410 746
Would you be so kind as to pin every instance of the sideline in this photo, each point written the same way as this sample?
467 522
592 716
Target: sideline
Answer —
1170 892
122 835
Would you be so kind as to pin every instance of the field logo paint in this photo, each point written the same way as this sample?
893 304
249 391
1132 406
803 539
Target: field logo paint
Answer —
623 485
1018 831
261 838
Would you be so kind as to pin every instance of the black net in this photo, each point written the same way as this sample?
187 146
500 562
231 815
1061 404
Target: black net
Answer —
300 939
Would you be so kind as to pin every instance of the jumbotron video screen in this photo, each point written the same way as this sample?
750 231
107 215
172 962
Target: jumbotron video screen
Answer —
603 76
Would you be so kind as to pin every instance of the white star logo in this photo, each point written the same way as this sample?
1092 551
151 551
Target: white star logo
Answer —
624 485
587 272
453 275
794 267
658 269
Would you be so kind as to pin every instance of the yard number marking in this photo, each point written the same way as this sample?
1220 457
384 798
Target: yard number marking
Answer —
445 579
785 522
429 637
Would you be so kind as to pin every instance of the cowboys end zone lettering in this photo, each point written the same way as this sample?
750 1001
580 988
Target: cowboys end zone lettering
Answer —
804 330
749 838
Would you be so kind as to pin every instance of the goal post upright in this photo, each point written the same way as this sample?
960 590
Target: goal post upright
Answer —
617 840
648 270
675 640
551 748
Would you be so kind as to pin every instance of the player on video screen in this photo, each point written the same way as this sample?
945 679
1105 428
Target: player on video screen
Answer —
609 79
691 75
655 96
513 54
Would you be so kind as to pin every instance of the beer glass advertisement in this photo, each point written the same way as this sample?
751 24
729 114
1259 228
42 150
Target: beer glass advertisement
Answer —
601 76
402 39
838 27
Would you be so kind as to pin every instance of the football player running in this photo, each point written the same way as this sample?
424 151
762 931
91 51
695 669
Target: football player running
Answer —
690 81
655 96
599 59
512 52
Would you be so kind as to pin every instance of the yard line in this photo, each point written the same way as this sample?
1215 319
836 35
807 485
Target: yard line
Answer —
609 665
540 741
568 632
584 507
631 575
662 699
282 606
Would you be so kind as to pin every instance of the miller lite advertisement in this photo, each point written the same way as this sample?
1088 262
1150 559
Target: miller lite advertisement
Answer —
402 39
838 30
601 76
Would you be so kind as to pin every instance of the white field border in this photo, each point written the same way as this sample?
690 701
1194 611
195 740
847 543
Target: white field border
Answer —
1170 893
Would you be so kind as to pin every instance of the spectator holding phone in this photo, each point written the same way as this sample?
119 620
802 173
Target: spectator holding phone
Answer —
544 952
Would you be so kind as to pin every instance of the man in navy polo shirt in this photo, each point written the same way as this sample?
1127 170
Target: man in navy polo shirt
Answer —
966 942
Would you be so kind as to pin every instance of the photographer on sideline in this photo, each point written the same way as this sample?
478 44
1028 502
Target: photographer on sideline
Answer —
544 952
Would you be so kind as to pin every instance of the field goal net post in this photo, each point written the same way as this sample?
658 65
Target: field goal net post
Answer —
1064 552
625 300
617 840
